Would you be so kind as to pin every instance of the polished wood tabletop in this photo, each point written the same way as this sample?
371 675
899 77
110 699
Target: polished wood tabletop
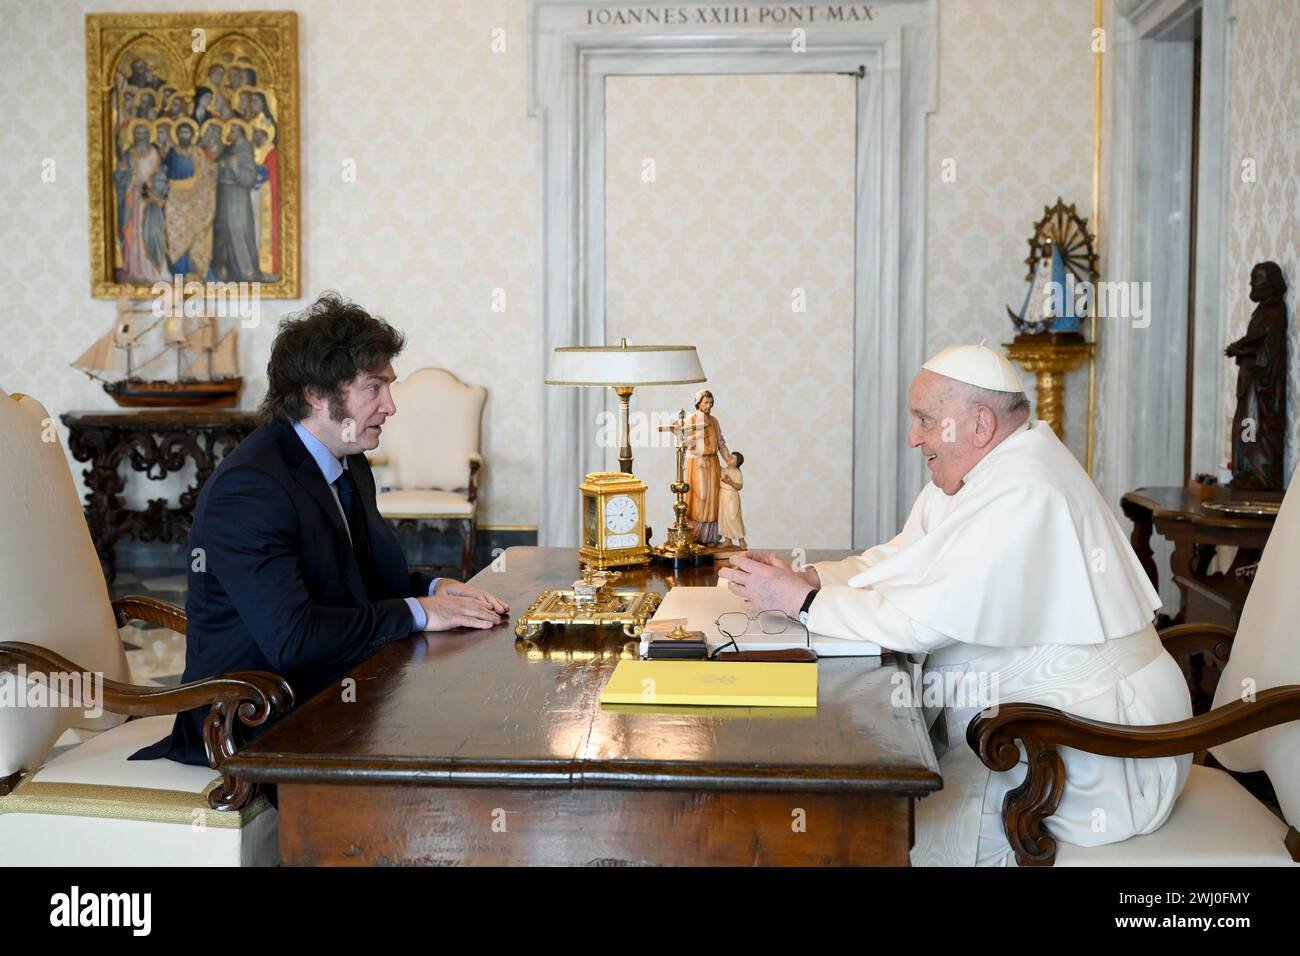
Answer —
470 712
482 707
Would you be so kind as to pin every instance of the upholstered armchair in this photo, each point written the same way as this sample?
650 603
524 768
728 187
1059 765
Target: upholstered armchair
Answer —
427 467
1254 725
62 660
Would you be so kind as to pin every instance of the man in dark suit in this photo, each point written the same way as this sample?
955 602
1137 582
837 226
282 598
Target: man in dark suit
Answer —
293 570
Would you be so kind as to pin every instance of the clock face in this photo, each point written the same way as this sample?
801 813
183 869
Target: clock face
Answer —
621 514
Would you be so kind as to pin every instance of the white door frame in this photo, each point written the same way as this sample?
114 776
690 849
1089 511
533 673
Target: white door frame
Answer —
571 58
1135 411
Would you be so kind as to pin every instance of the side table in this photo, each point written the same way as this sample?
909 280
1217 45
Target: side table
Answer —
157 442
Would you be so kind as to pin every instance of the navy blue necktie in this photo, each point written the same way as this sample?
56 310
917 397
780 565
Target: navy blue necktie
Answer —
356 527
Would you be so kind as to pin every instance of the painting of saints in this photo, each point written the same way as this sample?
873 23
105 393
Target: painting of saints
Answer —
704 468
162 136
234 235
268 211
197 164
192 199
142 162
155 212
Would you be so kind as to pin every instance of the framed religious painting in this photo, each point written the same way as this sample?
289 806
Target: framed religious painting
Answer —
193 151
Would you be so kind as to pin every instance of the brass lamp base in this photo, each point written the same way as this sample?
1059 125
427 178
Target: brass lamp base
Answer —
689 557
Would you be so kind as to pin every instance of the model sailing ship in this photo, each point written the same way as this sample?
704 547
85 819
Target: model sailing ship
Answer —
140 343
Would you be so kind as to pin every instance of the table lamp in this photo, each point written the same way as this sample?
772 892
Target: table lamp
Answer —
623 367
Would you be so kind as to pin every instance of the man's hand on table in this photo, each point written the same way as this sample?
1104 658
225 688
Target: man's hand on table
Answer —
768 583
461 605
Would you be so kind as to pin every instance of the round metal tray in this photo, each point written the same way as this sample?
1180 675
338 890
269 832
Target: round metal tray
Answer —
1257 508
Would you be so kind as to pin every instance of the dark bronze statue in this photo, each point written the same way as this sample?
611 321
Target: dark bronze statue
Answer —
1259 426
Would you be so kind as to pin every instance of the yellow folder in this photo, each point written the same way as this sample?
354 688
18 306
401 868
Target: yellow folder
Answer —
732 683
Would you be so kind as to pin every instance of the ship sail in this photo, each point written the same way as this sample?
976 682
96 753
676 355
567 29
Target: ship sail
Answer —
225 360
174 332
218 361
204 336
100 357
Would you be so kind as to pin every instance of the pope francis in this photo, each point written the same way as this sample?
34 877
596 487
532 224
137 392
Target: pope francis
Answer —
1010 574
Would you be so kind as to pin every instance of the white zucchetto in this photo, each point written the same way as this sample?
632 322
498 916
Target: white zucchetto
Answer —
976 365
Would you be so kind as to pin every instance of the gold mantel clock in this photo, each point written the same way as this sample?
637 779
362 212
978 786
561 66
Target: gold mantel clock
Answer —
613 521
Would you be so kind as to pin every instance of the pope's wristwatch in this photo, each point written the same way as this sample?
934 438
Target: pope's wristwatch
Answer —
807 603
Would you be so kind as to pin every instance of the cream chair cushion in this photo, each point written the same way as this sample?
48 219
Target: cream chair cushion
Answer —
1266 653
423 504
428 443
91 806
52 589
1216 822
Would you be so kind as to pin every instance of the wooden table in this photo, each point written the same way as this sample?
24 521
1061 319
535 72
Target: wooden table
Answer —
475 748
1194 531
158 442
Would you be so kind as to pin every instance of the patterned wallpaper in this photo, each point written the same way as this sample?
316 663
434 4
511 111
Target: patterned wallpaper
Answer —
1263 216
1018 136
443 212
751 205
441 215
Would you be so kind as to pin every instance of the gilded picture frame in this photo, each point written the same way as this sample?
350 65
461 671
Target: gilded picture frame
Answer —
193 159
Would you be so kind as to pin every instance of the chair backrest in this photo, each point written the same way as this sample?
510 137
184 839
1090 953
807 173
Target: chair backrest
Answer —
52 590
429 441
1266 653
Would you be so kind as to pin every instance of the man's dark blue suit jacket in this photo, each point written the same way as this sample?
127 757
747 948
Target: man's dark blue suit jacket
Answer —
276 585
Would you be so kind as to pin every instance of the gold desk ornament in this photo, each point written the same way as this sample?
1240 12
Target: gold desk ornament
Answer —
680 549
591 602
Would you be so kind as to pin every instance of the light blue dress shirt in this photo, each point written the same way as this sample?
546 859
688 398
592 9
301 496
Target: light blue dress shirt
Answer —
331 468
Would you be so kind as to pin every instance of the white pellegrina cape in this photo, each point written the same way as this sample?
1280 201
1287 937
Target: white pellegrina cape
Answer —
1025 553
1024 581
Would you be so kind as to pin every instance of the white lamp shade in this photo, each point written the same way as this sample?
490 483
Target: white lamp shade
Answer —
610 365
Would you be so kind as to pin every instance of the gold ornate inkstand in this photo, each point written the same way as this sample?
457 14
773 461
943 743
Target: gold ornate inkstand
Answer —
592 601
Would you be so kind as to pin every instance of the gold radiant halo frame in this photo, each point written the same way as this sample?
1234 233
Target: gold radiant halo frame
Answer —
107 35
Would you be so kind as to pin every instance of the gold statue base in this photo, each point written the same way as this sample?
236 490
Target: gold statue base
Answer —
1050 359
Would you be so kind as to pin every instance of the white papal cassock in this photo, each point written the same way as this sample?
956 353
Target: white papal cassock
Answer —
1024 582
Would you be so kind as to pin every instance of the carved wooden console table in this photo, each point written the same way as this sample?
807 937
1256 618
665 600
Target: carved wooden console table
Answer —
1195 530
158 442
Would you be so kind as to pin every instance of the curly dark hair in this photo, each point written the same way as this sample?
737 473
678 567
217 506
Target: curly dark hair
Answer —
324 347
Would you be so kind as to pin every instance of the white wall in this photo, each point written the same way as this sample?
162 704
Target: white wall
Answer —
746 206
444 208
1263 216
442 211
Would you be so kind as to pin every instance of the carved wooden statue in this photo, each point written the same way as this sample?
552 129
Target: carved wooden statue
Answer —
1259 425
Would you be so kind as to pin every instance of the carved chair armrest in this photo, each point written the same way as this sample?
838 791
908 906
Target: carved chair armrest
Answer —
994 733
252 696
1184 639
475 463
137 607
